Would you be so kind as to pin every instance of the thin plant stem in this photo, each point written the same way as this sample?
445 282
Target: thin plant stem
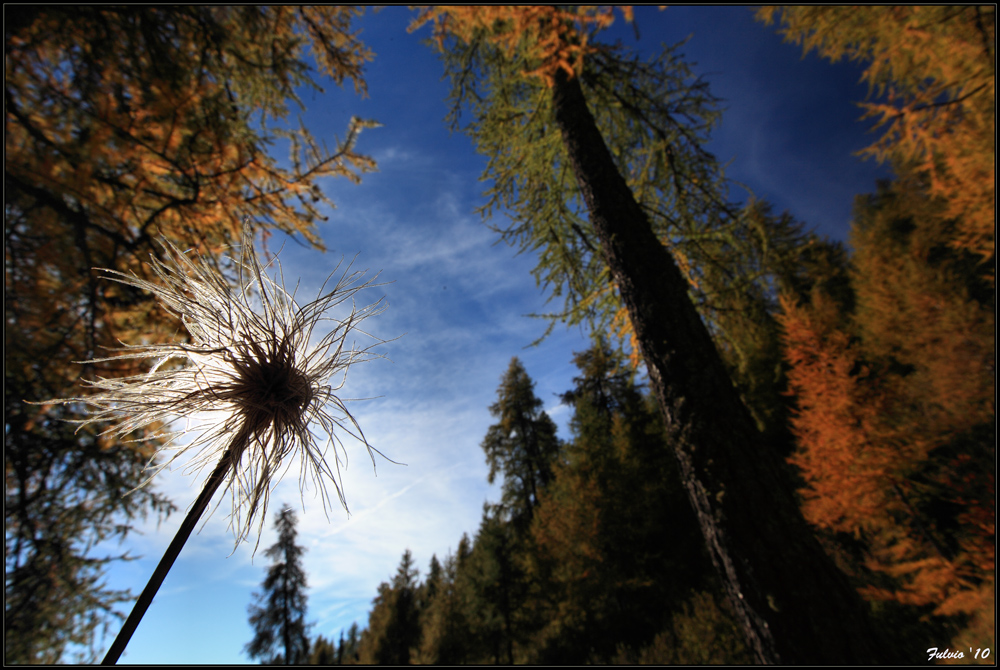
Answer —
190 521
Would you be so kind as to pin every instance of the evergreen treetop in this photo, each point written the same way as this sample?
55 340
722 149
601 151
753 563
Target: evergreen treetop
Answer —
278 620
522 445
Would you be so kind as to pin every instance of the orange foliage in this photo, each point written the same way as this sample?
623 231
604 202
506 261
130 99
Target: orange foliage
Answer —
141 144
124 124
558 37
844 467
857 459
936 66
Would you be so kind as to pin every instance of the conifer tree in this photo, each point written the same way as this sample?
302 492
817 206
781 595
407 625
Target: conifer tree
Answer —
606 578
322 652
122 124
792 603
897 405
394 622
495 589
347 648
444 629
521 446
429 589
279 618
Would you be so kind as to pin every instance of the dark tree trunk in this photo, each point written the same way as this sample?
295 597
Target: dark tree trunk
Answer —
792 602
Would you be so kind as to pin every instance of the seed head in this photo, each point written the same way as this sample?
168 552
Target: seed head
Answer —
248 376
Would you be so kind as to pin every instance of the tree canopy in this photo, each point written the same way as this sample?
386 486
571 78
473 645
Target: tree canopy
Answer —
935 66
896 404
655 117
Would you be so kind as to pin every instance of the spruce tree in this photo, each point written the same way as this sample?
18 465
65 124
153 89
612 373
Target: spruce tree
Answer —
444 638
521 446
347 648
497 588
394 622
429 589
279 618
322 652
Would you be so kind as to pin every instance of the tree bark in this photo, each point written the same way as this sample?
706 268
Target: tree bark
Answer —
792 602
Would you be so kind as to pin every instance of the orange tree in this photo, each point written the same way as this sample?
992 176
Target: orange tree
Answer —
896 406
122 124
528 67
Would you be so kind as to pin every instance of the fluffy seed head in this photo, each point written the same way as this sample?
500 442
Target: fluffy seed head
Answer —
248 376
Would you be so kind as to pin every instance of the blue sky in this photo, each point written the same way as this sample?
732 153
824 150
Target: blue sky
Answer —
789 131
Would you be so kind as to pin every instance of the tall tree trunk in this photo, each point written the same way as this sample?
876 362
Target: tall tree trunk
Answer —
792 602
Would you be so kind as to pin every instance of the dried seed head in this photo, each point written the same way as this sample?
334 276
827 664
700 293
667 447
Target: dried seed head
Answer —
267 387
248 363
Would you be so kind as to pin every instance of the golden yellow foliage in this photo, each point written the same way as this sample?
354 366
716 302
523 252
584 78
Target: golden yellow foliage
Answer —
936 66
132 143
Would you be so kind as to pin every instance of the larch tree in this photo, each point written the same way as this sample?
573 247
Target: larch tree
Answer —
792 603
123 124
279 618
936 67
897 415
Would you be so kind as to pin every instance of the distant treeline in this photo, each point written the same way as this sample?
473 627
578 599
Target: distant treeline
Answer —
592 553
873 372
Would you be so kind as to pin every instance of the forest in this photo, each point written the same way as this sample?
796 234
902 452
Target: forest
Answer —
778 443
